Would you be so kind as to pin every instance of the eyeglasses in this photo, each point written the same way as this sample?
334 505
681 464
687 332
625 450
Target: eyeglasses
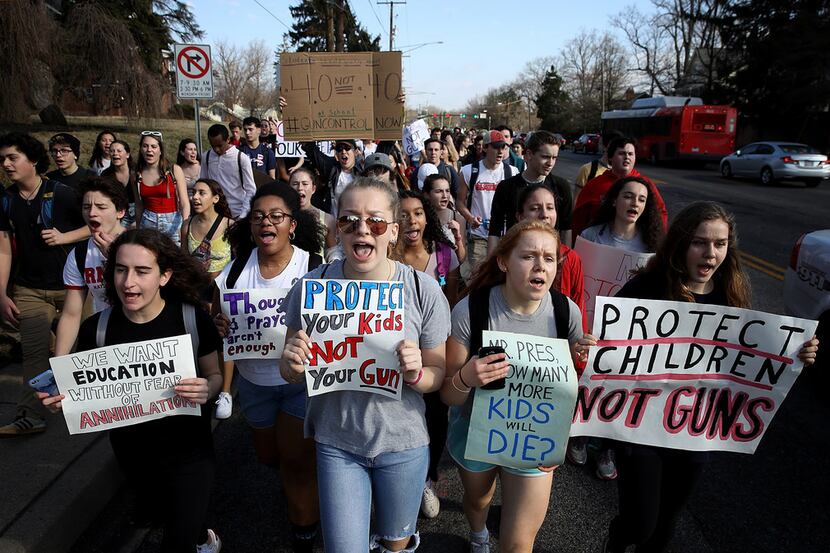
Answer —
348 224
275 217
61 152
343 147
154 134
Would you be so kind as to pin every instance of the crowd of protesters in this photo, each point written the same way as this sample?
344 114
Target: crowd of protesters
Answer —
477 221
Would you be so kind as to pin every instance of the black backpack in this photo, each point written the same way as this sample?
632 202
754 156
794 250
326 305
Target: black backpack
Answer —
478 303
314 261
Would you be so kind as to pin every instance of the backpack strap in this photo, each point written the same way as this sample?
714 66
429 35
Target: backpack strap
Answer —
593 172
7 208
101 329
442 255
506 169
472 184
325 269
239 165
418 290
189 318
80 255
314 261
47 203
561 313
236 269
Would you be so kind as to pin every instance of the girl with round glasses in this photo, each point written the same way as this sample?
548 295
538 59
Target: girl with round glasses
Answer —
373 449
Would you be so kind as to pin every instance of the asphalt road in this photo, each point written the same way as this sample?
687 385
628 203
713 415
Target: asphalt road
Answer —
772 501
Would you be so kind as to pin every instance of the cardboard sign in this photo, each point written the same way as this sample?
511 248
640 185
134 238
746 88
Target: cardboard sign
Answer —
335 95
606 270
686 375
414 135
355 327
525 424
123 385
257 330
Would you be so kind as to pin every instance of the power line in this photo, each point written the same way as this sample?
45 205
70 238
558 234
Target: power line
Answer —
382 28
272 14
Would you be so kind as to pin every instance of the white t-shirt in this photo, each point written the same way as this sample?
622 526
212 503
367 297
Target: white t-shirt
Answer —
92 277
484 190
264 372
344 180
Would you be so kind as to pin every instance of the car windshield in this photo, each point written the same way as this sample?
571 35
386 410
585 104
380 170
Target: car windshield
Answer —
797 149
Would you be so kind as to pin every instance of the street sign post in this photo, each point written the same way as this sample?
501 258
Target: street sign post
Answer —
194 78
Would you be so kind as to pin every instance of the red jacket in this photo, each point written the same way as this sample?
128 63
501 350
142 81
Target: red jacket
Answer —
570 280
589 200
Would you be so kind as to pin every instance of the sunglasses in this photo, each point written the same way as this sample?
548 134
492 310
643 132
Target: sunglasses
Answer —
343 147
348 224
154 134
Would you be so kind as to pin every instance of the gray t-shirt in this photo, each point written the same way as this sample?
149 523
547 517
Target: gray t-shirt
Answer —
370 424
540 323
601 234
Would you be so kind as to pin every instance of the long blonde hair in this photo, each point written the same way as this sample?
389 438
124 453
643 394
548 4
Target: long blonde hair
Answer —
489 273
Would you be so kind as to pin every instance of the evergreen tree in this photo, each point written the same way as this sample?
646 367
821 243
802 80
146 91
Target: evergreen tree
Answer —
316 24
553 103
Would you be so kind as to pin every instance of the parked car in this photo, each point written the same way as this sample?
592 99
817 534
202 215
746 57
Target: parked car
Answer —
587 143
772 161
561 139
807 284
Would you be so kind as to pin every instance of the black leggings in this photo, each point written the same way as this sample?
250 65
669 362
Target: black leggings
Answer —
436 416
173 492
654 485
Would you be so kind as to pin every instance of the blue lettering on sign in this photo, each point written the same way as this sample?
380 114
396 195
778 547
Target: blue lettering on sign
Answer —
312 288
521 445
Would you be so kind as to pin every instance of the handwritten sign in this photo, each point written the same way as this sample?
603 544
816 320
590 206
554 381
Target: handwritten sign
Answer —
257 330
355 327
122 385
335 95
286 148
686 375
414 135
526 423
606 270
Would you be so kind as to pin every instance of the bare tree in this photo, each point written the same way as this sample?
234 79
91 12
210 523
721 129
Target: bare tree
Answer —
245 76
648 44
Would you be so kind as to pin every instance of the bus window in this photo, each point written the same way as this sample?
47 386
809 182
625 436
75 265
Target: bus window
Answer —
708 122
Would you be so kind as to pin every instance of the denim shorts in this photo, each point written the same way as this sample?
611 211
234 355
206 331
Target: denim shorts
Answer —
261 404
166 223
457 445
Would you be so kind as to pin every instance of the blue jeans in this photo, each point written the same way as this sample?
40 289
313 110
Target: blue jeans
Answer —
348 484
166 223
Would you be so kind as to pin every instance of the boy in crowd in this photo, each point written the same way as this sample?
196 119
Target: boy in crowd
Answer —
263 160
65 149
225 164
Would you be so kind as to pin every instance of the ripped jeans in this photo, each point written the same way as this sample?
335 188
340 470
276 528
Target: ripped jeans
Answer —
348 485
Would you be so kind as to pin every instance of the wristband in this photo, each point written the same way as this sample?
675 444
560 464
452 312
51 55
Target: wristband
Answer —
418 379
461 377
457 389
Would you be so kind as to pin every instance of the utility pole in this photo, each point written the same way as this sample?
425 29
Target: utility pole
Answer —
392 18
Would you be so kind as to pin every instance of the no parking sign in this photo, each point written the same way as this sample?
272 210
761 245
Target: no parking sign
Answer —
194 75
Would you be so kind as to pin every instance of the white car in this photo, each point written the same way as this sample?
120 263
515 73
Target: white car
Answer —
807 283
772 161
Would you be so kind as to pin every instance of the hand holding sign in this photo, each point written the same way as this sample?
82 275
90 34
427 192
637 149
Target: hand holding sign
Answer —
296 354
193 389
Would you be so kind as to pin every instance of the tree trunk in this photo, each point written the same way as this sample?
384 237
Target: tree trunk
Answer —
329 28
341 26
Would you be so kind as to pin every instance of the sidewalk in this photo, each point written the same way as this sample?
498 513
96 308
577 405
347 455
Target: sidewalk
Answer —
54 484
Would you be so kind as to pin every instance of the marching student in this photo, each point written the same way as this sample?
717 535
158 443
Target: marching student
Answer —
203 235
425 247
436 188
304 181
152 287
273 244
100 158
121 169
372 449
511 292
161 200
103 206
190 161
697 262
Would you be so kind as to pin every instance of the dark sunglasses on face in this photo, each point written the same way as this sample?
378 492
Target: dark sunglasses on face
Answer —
342 148
349 223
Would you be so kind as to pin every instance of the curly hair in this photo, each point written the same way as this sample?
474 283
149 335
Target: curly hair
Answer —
221 206
109 187
650 223
309 235
669 263
188 277
29 146
432 232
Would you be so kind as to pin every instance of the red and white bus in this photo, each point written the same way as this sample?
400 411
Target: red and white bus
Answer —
676 128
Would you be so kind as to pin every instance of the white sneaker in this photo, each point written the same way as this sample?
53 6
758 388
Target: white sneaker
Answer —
213 545
224 405
430 505
606 467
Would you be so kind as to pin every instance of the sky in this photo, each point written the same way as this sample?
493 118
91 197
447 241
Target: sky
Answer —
504 35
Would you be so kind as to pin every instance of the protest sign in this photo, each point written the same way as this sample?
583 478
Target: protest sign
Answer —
414 135
257 330
335 95
126 384
355 327
526 423
286 148
606 270
686 375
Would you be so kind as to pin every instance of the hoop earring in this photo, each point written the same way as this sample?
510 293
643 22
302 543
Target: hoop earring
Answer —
291 236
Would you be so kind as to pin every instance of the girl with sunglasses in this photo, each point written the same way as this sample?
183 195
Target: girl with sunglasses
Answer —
161 200
272 244
697 262
370 448
514 282
151 285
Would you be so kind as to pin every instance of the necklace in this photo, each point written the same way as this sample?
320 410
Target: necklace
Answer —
32 194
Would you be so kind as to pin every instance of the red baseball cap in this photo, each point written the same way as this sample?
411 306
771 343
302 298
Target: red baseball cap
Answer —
495 138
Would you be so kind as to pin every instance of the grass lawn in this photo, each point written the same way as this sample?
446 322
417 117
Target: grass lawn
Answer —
86 128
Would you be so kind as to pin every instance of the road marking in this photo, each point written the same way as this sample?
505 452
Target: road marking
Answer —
762 265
